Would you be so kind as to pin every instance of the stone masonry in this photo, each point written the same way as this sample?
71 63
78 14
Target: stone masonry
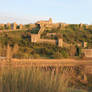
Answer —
13 26
87 53
20 26
36 37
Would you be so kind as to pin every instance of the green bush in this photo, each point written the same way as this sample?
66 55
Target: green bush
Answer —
57 55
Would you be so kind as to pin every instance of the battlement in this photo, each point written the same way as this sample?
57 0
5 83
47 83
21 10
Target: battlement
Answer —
13 26
2 25
20 26
35 38
44 22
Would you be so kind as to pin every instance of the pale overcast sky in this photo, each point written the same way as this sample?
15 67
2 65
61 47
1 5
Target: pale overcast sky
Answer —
27 11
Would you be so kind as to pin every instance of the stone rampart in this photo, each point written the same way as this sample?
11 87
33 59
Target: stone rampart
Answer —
66 44
41 30
35 38
87 52
88 69
53 42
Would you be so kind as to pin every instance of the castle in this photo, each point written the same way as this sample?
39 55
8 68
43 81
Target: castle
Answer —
47 25
12 26
35 38
45 22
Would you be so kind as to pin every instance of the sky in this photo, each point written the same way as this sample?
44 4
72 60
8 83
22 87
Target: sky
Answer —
30 11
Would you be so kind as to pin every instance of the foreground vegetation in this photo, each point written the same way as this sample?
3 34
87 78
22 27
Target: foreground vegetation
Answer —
41 80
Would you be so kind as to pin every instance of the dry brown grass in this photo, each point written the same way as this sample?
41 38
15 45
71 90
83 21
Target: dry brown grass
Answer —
36 80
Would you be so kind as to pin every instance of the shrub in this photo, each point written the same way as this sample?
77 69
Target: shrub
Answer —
57 55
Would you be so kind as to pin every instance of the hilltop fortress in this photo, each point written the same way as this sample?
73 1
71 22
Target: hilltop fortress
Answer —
12 26
41 26
46 24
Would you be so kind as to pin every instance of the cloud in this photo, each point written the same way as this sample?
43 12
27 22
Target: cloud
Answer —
20 20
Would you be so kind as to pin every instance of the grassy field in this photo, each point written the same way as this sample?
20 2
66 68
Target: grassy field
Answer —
30 79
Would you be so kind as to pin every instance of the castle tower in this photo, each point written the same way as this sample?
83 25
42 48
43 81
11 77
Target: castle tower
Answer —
20 26
13 26
50 20
86 26
8 25
35 38
2 26
80 26
60 42
84 44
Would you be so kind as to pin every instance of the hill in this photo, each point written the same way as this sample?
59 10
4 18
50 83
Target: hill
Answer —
73 34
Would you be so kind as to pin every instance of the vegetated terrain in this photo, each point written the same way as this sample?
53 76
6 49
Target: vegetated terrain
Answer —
18 78
28 79
72 34
20 42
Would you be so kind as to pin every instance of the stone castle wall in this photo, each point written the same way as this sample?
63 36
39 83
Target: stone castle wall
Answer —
66 44
45 22
53 42
41 30
13 26
88 69
35 38
87 52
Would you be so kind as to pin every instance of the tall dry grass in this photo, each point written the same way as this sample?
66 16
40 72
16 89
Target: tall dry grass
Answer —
35 80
